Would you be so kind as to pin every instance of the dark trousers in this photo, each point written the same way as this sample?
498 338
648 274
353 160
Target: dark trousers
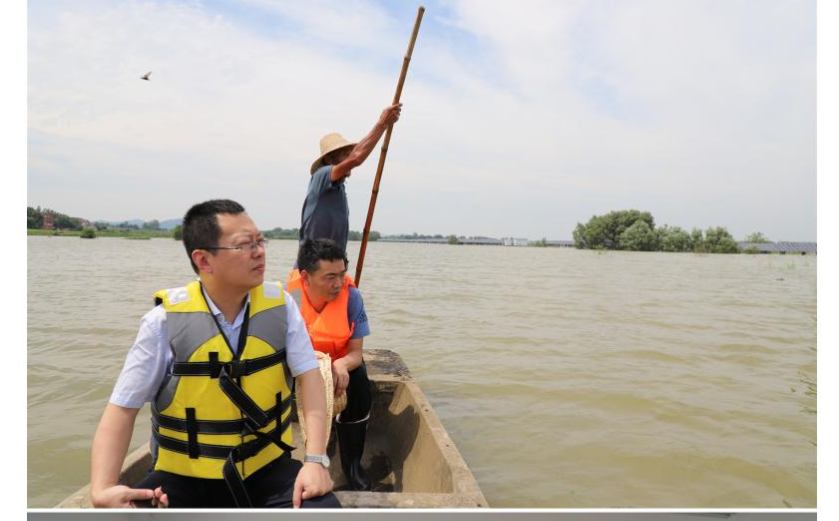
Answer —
358 395
272 486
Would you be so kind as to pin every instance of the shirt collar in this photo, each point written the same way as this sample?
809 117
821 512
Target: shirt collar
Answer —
219 315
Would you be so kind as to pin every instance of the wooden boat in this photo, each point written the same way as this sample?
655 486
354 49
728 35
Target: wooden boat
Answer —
409 457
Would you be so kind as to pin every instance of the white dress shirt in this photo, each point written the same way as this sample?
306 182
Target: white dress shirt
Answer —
150 359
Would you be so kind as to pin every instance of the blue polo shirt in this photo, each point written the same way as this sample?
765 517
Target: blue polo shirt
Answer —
326 214
356 314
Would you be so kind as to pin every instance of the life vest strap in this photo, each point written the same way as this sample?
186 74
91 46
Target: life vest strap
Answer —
234 368
234 480
235 483
215 426
192 432
243 451
255 417
240 453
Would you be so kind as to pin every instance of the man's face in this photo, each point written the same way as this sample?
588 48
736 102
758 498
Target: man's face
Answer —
339 155
327 280
240 269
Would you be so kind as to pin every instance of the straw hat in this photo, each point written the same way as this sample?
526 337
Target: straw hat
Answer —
330 143
334 406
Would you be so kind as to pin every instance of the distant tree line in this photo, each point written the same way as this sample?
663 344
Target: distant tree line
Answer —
282 233
35 219
294 233
357 236
417 236
634 230
124 225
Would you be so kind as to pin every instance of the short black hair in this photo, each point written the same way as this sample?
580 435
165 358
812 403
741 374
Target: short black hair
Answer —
200 226
313 251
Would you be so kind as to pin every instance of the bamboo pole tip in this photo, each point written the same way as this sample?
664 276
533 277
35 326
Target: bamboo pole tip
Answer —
421 9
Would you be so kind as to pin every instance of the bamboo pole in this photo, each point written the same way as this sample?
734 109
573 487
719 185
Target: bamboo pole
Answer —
360 263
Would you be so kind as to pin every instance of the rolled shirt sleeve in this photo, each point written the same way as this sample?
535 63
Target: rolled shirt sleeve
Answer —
146 363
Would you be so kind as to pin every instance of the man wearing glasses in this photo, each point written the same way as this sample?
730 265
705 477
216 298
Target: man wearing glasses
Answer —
216 360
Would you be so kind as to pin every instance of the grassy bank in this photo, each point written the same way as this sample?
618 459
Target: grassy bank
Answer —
128 234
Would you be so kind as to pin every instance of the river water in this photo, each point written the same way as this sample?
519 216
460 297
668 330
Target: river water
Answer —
567 379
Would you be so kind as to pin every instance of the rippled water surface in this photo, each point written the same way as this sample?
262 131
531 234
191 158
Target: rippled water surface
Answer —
566 378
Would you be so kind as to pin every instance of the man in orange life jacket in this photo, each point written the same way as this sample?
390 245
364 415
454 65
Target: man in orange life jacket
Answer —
333 310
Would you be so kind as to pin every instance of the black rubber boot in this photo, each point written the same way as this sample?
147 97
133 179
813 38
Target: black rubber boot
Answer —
351 438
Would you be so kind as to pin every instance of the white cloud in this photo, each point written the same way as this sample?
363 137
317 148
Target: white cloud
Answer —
552 111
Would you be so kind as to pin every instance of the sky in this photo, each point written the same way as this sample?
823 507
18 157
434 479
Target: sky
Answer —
520 118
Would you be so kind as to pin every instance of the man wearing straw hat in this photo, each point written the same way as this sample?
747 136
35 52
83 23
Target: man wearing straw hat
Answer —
325 210
216 359
333 311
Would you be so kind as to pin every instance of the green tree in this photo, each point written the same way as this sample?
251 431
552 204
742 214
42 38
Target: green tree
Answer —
34 218
639 237
604 231
178 232
697 240
674 239
453 239
756 238
66 222
580 237
718 240
154 224
88 233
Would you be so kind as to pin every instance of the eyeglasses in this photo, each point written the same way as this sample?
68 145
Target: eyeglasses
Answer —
248 247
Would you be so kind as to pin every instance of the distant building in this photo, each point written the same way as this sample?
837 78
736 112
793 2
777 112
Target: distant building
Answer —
480 241
49 223
560 244
425 240
514 241
782 247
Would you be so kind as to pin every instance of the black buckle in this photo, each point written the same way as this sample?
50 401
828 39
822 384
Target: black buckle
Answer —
248 449
234 368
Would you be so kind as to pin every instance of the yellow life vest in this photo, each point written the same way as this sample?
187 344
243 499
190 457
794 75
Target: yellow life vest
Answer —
220 413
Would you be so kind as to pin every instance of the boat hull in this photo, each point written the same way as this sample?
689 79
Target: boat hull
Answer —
409 457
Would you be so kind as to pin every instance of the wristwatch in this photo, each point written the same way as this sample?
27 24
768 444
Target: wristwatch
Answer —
323 459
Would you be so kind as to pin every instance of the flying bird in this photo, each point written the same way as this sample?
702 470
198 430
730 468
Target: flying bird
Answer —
146 76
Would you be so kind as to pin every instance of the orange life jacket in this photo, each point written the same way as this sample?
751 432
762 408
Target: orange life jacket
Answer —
330 329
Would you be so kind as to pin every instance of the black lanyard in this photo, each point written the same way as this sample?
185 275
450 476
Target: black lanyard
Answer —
243 333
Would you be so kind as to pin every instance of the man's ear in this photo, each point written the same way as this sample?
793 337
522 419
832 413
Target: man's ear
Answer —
304 276
201 258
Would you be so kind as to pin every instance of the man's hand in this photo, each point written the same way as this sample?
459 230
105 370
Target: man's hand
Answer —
312 481
362 149
340 377
120 496
390 115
